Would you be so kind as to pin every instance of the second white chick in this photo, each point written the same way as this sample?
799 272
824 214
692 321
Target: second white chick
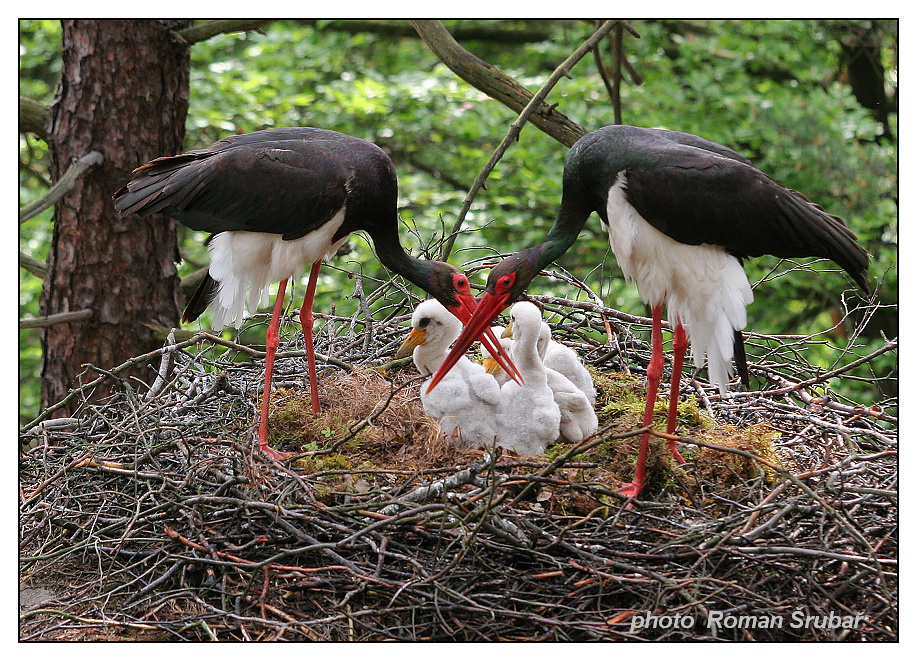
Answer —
491 365
465 401
577 416
577 413
528 418
563 359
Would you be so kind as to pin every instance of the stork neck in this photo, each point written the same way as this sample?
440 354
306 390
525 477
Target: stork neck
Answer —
393 256
525 355
569 223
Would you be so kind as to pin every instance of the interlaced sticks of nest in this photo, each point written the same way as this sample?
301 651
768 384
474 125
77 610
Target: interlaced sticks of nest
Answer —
150 511
193 545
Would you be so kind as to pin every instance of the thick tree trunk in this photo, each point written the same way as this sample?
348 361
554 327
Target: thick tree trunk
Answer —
123 93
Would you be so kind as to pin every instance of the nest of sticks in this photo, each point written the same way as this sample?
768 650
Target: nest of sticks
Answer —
150 515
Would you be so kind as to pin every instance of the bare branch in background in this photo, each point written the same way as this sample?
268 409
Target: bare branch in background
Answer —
58 318
495 83
62 186
204 31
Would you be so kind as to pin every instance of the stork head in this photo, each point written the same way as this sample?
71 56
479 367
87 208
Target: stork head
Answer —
506 283
450 286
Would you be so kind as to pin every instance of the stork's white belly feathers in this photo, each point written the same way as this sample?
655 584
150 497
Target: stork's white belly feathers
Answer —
246 263
703 286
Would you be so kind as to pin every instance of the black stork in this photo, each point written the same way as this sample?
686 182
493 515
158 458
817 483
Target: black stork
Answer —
274 201
681 213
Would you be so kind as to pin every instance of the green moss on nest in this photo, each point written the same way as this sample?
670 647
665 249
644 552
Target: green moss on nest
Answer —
729 470
324 462
292 424
623 397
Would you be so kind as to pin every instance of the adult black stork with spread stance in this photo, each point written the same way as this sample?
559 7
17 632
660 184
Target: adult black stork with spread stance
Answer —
681 213
274 201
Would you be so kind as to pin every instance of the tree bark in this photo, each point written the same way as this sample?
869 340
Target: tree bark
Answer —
123 93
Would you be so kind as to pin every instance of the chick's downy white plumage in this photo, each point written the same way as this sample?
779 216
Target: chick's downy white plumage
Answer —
577 412
563 359
465 401
577 416
528 418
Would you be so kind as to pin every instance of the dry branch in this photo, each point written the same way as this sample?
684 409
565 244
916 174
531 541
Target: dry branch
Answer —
34 266
495 83
208 29
516 127
532 32
62 186
58 318
33 117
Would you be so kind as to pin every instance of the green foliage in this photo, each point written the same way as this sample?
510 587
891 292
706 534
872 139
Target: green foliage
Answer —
39 71
39 59
770 89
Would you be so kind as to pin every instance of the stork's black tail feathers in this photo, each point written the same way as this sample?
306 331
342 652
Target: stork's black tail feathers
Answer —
201 298
153 188
738 348
825 235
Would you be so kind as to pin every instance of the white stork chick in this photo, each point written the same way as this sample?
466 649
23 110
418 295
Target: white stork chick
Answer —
465 402
491 365
528 418
577 414
563 359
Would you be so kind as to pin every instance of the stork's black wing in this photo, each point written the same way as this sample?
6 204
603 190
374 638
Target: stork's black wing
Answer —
696 196
279 186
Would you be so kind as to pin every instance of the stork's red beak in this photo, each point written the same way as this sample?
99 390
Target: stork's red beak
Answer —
464 311
478 327
496 350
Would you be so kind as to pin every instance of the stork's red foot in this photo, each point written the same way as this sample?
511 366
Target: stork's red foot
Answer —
630 490
274 454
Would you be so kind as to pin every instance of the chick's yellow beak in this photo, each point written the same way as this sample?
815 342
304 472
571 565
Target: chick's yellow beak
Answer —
492 366
415 338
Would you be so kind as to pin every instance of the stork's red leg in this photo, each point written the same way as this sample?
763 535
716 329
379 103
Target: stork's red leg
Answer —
272 340
653 375
306 319
679 345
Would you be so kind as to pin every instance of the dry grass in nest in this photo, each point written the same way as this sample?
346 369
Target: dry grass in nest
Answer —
371 422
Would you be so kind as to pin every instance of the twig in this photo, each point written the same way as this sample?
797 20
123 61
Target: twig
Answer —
57 318
62 186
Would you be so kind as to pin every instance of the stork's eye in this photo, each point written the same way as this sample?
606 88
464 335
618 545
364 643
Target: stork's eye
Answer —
505 282
460 282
